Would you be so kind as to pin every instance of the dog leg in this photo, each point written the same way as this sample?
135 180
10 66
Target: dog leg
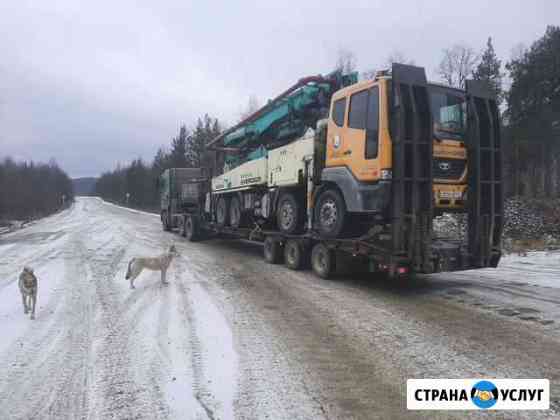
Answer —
24 301
163 273
33 300
134 273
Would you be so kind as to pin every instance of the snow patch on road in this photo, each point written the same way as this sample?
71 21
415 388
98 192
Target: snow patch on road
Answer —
218 357
127 208
98 349
539 268
178 353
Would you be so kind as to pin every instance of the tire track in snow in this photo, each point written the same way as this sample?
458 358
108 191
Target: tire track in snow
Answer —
215 392
124 393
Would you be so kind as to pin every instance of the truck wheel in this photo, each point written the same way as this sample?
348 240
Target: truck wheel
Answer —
191 228
330 214
272 250
235 214
165 221
222 214
289 215
294 254
322 261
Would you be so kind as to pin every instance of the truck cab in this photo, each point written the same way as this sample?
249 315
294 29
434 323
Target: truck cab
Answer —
359 146
449 114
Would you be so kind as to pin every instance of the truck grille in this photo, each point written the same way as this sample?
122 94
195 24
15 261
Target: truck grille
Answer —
448 168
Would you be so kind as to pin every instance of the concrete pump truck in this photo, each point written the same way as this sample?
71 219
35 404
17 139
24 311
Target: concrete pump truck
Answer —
333 166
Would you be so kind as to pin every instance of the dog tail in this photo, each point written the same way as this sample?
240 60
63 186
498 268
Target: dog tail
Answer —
128 273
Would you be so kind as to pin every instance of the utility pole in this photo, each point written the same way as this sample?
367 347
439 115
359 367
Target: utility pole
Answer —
127 198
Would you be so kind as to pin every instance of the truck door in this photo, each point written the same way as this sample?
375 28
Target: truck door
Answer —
353 141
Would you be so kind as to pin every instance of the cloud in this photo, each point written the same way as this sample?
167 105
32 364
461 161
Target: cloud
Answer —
94 83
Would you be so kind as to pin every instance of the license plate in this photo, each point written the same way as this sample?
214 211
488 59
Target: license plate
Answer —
450 195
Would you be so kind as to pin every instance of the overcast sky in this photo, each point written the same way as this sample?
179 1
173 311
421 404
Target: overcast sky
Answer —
95 83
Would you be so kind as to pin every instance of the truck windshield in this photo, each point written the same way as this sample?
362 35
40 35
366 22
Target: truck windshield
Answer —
449 113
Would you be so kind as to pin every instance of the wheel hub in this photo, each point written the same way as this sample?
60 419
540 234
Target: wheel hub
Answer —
328 215
321 260
234 215
287 215
291 253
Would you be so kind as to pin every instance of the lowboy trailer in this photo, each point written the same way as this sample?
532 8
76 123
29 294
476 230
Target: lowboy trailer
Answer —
335 167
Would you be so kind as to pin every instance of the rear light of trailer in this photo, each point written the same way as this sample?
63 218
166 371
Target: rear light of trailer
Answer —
402 270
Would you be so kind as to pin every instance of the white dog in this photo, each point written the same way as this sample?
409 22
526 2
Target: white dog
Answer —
28 287
161 263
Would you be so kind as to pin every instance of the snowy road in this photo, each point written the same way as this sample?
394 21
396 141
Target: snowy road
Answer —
232 337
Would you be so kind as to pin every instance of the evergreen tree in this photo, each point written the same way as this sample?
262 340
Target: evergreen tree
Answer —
534 113
178 154
161 161
489 70
206 129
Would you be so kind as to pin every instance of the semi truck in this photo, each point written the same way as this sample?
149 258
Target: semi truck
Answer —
335 167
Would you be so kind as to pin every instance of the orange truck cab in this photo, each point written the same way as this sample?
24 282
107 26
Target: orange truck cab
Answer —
359 146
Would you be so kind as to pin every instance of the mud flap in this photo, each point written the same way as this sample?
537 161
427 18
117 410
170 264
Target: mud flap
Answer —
485 189
412 189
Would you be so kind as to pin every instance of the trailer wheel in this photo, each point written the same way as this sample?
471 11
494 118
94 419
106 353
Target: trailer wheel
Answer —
294 254
330 214
222 213
191 228
235 214
165 221
289 215
322 261
272 250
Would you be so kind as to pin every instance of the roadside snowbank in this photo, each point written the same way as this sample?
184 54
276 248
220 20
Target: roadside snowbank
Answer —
126 208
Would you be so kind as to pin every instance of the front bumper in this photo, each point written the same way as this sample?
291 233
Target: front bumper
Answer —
450 196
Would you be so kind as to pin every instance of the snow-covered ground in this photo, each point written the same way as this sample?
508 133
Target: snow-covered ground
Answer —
98 349
233 337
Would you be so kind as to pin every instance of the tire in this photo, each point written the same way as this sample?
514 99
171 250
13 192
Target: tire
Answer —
235 213
330 214
165 221
191 228
322 261
272 250
222 213
294 254
289 215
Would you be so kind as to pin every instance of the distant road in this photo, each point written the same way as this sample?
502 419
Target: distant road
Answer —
233 337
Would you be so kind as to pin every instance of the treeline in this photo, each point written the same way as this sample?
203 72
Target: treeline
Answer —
30 190
532 119
136 184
